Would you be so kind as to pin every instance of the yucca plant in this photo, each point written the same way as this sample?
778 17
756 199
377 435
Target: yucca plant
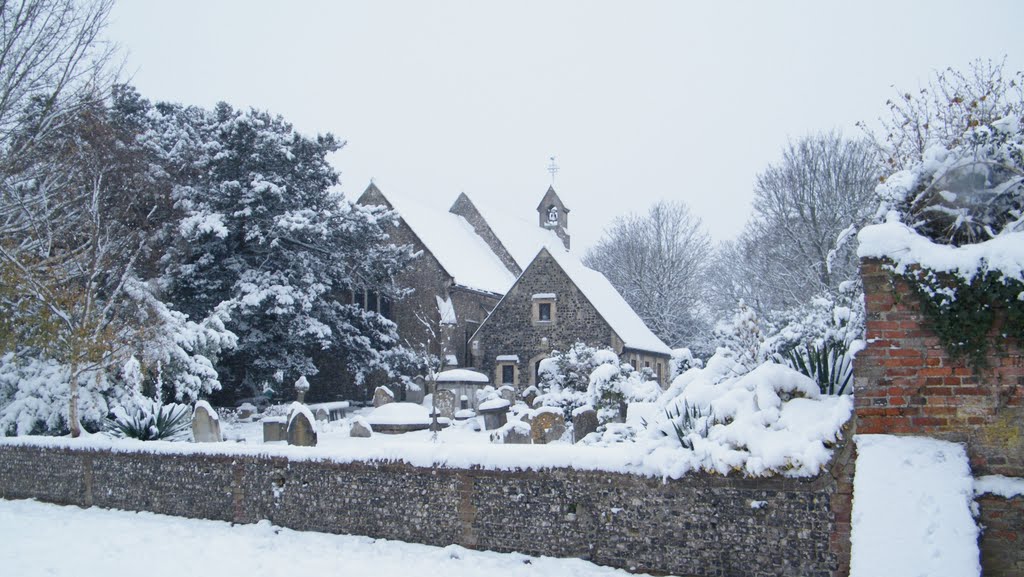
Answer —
829 364
688 419
152 421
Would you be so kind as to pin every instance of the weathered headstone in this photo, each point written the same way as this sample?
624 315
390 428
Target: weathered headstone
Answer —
205 424
546 427
382 396
360 428
246 411
508 393
275 429
513 433
583 423
322 414
445 403
414 391
301 431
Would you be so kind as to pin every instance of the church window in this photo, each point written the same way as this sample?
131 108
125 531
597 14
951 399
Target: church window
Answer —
553 215
508 374
544 312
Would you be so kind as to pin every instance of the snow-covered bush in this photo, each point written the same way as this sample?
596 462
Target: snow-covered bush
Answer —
34 396
742 339
586 375
564 377
682 360
821 338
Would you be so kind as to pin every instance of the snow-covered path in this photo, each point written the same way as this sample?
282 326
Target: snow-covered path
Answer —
38 539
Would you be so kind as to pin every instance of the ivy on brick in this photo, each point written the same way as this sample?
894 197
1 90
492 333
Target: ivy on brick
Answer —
963 313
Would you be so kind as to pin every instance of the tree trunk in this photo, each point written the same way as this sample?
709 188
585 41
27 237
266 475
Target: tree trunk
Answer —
73 423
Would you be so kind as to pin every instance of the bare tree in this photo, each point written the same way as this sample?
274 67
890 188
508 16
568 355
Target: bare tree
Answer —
807 207
60 248
657 262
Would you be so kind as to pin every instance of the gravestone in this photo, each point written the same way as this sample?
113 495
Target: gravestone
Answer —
508 393
529 396
205 424
275 429
546 427
445 403
382 396
301 431
322 414
414 391
360 428
583 423
246 411
513 433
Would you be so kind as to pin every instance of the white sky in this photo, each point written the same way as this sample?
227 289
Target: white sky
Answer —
639 101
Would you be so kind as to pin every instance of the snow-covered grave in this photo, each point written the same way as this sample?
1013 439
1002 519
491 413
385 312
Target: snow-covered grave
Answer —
38 539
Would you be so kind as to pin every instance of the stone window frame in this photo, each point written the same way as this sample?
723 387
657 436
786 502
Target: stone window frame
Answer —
499 370
544 299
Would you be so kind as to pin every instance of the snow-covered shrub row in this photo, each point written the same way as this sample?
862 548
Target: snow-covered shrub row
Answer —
769 420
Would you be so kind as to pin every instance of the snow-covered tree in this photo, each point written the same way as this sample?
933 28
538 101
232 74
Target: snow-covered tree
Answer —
261 233
742 338
657 262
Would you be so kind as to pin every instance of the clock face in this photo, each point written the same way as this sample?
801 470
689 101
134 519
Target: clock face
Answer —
553 214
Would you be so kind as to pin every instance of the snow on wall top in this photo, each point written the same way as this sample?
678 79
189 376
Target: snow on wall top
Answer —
904 246
454 244
609 303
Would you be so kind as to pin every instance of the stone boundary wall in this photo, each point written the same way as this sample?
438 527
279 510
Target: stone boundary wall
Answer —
703 525
907 384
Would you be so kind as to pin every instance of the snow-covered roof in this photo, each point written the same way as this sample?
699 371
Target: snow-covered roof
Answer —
518 232
609 304
461 376
454 244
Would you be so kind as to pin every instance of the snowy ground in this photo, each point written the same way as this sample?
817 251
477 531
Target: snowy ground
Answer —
38 539
912 499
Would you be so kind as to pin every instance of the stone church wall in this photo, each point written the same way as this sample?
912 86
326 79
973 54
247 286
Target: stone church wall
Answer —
512 330
700 525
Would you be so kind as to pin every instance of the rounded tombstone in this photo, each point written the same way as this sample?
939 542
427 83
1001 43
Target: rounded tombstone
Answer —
382 396
547 426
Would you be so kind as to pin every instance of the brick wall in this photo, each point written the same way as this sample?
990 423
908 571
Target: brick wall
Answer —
699 525
906 383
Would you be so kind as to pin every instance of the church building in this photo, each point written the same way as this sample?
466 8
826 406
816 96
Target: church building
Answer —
496 292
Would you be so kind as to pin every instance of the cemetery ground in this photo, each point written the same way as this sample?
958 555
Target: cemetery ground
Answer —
38 539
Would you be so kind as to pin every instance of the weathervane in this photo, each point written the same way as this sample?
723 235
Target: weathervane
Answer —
553 169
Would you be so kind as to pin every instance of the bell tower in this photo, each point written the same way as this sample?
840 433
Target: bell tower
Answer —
553 215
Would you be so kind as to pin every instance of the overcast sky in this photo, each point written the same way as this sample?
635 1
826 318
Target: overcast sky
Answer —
639 101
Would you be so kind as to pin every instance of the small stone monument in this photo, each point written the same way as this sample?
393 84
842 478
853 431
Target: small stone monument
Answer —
360 428
583 423
246 411
301 431
382 396
445 403
495 413
205 424
322 414
275 429
547 426
512 433
301 386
